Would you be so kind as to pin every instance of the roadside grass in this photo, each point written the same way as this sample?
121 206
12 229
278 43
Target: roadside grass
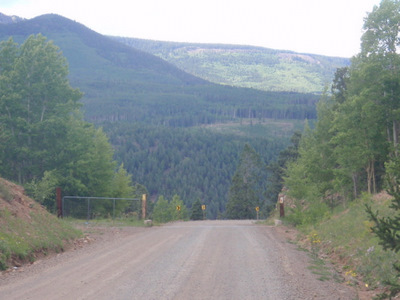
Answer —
347 240
22 239
318 267
5 193
107 222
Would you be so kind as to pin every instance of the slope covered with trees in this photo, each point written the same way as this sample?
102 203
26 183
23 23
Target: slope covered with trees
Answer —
123 83
140 101
247 66
354 147
194 163
44 140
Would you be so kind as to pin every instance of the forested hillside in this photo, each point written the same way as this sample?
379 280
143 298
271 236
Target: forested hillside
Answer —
122 83
247 66
195 163
131 93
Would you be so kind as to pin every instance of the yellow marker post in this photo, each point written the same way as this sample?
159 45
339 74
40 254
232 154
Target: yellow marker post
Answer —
143 206
203 208
257 210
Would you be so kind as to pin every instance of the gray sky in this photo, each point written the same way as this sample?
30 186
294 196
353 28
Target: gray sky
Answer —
327 27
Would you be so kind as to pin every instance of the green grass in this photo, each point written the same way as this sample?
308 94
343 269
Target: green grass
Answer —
319 268
21 239
107 222
5 192
347 238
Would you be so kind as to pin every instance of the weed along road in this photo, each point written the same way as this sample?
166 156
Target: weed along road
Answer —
184 260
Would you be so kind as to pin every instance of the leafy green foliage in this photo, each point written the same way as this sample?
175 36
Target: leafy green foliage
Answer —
387 228
354 145
36 100
49 144
165 211
43 191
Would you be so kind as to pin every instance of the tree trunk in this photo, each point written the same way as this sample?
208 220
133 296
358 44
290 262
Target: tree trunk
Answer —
355 187
370 176
395 137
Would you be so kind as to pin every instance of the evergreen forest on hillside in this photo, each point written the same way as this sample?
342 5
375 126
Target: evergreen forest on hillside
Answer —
195 163
123 123
176 134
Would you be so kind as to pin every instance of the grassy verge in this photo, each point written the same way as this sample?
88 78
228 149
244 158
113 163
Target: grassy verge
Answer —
22 240
107 222
346 239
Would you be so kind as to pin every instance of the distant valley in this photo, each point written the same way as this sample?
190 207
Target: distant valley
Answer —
179 120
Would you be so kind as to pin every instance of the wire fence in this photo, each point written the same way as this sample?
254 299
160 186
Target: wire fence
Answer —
99 207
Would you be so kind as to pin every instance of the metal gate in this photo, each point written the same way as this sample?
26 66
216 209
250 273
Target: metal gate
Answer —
98 207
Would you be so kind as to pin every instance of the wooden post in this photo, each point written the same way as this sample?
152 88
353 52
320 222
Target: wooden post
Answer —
281 207
59 203
144 207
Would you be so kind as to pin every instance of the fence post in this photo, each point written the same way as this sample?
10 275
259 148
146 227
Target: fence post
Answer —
144 207
282 207
113 208
59 203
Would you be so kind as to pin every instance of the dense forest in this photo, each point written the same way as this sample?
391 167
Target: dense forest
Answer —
194 163
176 134
121 83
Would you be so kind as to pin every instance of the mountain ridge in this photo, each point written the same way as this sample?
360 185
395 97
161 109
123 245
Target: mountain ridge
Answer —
246 66
4 19
124 83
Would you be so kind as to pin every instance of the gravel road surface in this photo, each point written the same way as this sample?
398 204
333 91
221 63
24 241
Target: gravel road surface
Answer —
184 260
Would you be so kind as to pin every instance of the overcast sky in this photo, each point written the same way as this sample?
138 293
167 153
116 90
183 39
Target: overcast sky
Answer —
327 27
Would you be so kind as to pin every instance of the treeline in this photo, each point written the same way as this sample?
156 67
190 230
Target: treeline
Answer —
44 141
193 163
120 83
354 147
194 106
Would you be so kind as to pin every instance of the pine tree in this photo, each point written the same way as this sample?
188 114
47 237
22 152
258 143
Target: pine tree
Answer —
248 186
197 213
388 228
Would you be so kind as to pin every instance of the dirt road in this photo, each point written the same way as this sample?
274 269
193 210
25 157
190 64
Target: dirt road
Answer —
186 260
